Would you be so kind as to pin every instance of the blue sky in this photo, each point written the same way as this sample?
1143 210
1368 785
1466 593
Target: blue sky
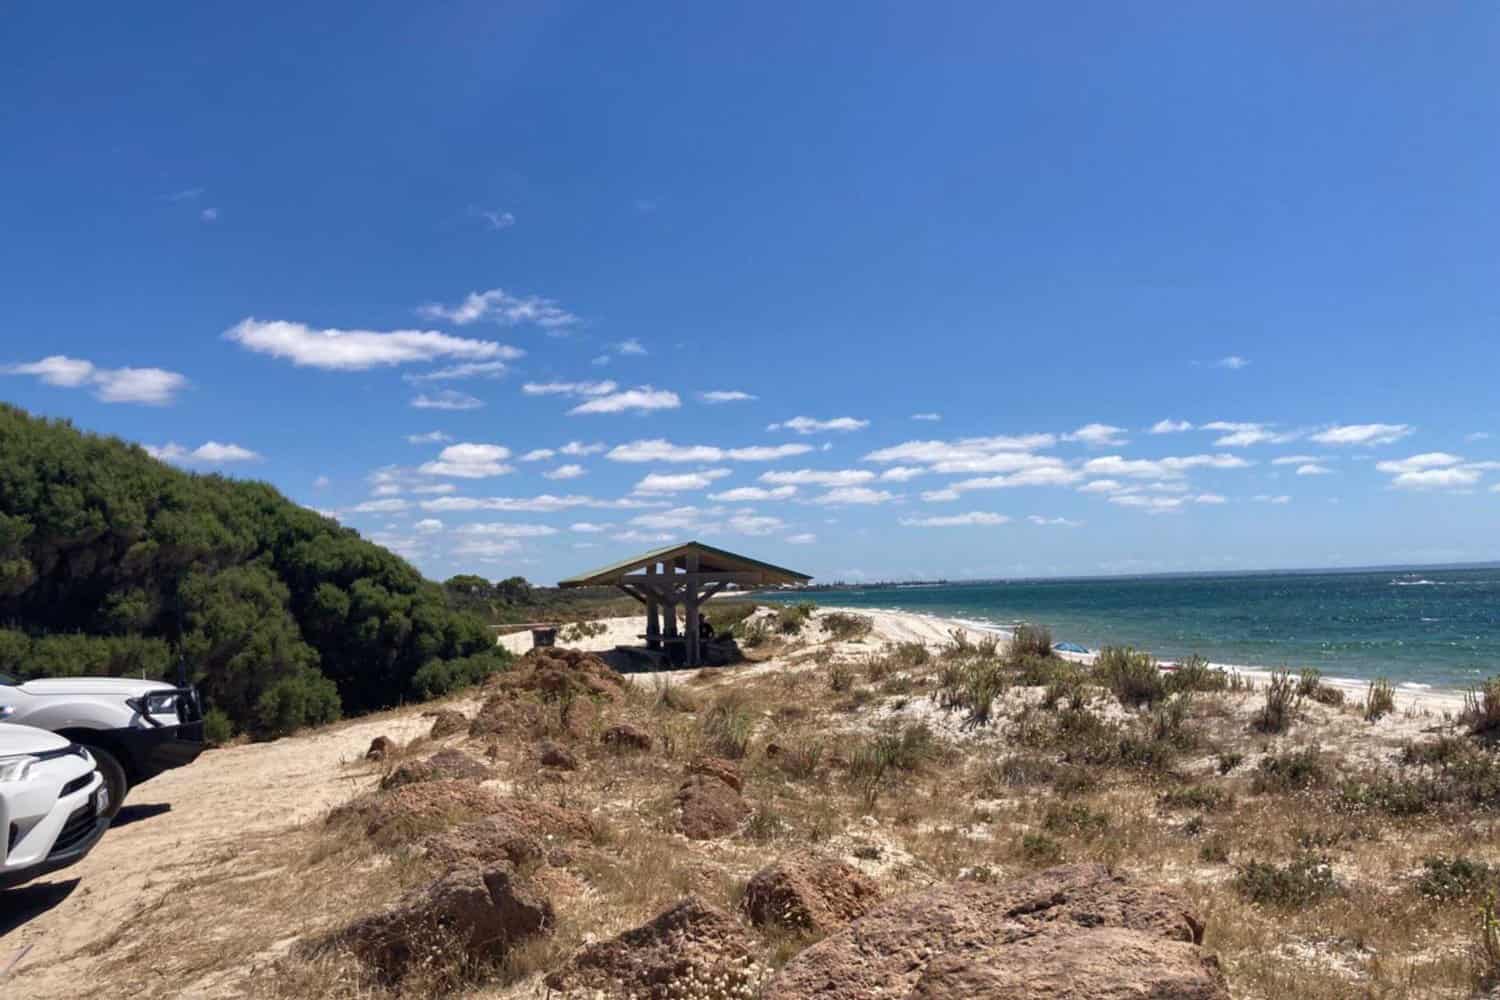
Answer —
281 243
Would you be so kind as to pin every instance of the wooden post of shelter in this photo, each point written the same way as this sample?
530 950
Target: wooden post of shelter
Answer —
686 574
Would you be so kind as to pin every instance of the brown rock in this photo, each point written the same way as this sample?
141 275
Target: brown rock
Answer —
708 808
690 942
561 674
471 913
445 764
381 747
1070 932
726 771
624 736
448 722
484 843
548 820
810 892
403 814
552 755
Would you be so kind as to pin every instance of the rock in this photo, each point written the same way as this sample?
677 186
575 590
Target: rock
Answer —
402 814
726 771
1071 932
692 943
485 843
547 820
552 755
624 736
708 808
809 892
381 747
448 722
478 913
445 764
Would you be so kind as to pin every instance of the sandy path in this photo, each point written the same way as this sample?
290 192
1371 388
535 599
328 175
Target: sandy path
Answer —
169 822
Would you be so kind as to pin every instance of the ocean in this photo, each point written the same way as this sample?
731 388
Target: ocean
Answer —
1423 628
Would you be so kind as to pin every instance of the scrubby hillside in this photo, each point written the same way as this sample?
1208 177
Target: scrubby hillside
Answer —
112 562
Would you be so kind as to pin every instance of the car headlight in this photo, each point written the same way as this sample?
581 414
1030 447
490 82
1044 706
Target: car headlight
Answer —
16 768
164 703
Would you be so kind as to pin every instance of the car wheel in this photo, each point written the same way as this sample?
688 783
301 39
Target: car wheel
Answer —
114 778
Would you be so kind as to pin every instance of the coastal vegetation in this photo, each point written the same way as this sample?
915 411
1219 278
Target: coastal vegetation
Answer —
114 563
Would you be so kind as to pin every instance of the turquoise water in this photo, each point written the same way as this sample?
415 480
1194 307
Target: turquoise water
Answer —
1433 628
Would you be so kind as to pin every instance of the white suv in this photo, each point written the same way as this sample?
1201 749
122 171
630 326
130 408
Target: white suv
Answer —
134 729
54 805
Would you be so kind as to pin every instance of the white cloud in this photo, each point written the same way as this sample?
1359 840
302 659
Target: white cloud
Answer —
496 529
1002 461
902 473
1233 362
1212 498
751 494
962 450
1477 436
1242 435
855 495
1161 468
500 306
545 503
1097 435
658 482
1363 434
469 369
431 437
577 449
930 417
487 549
1314 469
1044 475
644 399
660 450
1268 498
1170 427
631 346
354 350
1060 522
1102 486
209 215
435 488
208 453
151 386
392 506
818 477
496 220
725 396
805 538
565 472
940 496
755 524
569 388
469 461
448 399
1295 459
955 520
588 527
807 425
1434 470
322 483
428 526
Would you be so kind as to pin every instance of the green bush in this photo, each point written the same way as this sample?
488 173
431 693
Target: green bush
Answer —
791 618
1028 641
727 726
1293 771
1449 878
1133 677
1281 705
217 729
1481 711
1194 674
1380 701
1074 818
844 627
436 678
1306 880
1203 798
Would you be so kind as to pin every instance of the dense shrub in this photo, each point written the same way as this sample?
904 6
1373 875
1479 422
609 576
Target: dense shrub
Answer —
1029 641
114 563
844 627
1194 674
439 677
1293 771
1132 676
1281 705
1448 878
1481 711
1380 701
791 618
1301 882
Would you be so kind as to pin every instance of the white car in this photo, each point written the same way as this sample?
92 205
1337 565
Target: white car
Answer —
54 804
134 729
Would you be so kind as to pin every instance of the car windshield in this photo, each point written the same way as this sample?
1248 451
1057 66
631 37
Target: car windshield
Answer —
8 679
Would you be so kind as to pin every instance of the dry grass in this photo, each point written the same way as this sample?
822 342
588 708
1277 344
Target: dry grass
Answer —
1298 843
